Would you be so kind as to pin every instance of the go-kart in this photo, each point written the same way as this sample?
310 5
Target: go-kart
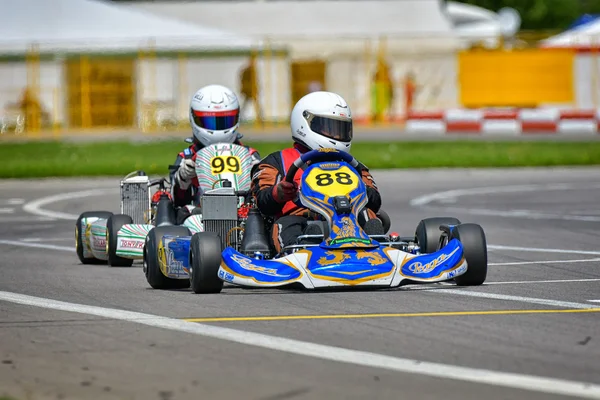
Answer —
119 239
442 249
221 169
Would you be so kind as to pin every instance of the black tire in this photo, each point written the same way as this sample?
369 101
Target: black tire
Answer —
474 243
113 225
78 235
205 259
428 232
154 275
385 220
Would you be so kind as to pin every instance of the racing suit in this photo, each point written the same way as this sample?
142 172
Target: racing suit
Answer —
183 197
290 219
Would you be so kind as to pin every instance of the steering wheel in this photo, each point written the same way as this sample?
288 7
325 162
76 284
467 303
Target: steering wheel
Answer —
161 182
319 156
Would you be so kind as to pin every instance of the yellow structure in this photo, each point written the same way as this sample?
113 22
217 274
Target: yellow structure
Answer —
307 76
519 78
100 92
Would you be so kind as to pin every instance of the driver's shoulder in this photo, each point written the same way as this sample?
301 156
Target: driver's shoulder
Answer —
273 158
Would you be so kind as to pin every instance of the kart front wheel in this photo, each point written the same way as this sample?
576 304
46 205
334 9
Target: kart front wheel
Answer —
205 259
385 220
428 232
474 244
113 225
80 233
154 275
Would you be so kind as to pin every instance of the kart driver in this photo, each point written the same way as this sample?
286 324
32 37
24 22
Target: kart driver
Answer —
214 117
318 120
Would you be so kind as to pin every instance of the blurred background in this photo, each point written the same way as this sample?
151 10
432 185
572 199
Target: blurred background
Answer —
75 66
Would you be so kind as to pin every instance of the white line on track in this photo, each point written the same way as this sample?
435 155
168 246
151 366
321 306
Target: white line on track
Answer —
45 239
529 214
522 299
38 245
586 260
547 281
25 219
6 210
324 352
450 196
35 206
538 250
594 301
15 202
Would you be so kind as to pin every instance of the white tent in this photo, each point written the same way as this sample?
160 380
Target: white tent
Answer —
421 20
344 33
586 35
581 38
91 25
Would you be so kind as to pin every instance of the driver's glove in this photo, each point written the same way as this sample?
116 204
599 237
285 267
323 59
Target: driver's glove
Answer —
185 174
285 191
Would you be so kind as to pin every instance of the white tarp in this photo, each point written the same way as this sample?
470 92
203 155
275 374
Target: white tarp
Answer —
419 21
581 36
474 24
74 25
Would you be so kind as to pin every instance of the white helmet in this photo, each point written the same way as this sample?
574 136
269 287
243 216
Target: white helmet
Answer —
214 115
322 119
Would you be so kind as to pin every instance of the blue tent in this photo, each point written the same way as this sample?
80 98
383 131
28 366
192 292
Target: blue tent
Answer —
584 19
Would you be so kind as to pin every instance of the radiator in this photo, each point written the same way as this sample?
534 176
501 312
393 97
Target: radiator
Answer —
220 215
135 199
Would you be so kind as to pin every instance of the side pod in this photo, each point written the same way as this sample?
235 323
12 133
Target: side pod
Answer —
445 264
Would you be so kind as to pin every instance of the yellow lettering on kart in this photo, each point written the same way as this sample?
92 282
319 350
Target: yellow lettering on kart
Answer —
225 164
338 182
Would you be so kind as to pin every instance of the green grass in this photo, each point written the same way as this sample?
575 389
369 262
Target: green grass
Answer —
61 159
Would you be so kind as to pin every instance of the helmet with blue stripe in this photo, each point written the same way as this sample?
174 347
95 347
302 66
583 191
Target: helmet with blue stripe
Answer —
214 115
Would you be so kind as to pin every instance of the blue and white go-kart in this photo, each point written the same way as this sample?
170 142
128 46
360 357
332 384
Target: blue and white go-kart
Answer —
442 249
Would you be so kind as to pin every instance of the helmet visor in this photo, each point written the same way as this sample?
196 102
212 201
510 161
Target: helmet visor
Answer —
216 121
336 129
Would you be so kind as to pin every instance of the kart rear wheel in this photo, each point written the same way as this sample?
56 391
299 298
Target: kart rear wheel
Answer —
474 244
428 232
205 259
80 231
154 275
113 225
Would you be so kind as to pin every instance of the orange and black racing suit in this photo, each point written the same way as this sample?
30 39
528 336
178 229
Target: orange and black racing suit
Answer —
290 219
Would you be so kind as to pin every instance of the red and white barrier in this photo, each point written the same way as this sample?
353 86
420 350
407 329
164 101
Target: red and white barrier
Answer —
516 122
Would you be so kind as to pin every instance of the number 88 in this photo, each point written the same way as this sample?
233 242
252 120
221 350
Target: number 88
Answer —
325 179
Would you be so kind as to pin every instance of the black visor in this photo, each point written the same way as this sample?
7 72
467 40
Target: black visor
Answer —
332 128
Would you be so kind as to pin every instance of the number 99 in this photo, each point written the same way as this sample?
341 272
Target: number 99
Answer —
218 165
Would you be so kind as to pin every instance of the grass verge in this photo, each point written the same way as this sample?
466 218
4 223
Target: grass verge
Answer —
61 159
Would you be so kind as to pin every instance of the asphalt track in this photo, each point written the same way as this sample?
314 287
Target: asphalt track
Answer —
532 331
